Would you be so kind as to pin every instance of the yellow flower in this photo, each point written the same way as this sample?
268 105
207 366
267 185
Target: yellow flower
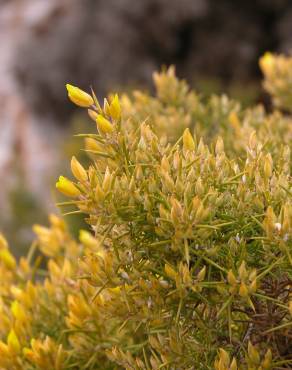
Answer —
115 108
188 141
78 171
92 114
79 97
87 239
104 126
67 187
13 342
7 258
267 62
18 311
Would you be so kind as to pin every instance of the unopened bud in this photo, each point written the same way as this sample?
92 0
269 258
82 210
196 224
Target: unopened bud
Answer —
106 184
268 165
224 357
199 188
78 170
104 126
243 291
219 147
79 97
165 164
115 108
92 145
233 365
170 272
266 364
66 187
252 140
231 278
13 342
253 286
202 273
188 140
266 62
92 114
87 239
253 354
7 258
17 311
242 271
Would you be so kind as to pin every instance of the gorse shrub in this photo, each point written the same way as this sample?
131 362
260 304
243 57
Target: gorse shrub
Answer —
189 262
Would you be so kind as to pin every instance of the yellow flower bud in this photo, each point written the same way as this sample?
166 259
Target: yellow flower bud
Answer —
87 239
243 291
7 258
266 363
234 120
176 211
28 353
268 165
104 126
253 286
13 342
18 311
233 365
253 354
78 171
242 271
224 357
266 62
170 272
57 222
4 350
115 108
107 180
79 97
219 147
99 193
231 278
67 187
106 107
252 142
92 145
92 114
199 187
202 273
188 140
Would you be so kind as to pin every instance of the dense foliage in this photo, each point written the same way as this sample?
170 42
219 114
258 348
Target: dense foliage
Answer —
188 264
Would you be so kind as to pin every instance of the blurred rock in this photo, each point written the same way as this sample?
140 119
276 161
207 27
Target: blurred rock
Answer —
27 156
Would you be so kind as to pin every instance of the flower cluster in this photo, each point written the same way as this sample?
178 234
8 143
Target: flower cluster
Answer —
187 261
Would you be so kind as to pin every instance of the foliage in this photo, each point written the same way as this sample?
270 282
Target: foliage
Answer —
188 265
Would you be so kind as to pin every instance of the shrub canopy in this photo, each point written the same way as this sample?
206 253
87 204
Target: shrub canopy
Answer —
188 260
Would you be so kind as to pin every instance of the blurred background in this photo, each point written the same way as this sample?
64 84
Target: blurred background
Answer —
111 45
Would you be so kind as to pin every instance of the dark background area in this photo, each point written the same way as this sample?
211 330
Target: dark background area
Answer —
113 44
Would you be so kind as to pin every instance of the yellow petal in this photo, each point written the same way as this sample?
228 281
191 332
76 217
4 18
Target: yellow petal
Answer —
66 187
13 342
78 171
188 140
115 108
79 97
104 125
